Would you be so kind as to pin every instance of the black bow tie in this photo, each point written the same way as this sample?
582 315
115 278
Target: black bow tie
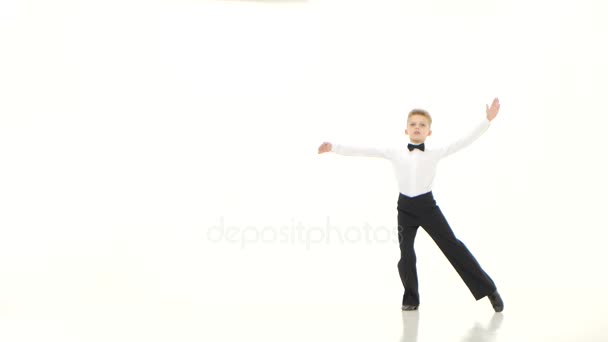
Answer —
411 147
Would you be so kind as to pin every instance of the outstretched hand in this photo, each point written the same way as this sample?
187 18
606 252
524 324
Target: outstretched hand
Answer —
325 147
492 110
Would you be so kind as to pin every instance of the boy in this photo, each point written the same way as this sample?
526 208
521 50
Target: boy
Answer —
414 168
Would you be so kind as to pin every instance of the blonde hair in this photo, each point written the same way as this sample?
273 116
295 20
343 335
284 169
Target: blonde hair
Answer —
422 112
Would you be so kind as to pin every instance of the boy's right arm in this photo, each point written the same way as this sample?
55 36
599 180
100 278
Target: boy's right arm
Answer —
349 150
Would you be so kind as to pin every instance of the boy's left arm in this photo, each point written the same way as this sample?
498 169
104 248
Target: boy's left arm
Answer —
491 112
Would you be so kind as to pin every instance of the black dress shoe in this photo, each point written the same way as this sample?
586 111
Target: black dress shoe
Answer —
409 307
496 301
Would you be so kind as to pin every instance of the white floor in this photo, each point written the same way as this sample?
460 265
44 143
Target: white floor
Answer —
527 317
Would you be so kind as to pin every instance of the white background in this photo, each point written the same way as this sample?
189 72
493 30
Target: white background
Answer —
153 152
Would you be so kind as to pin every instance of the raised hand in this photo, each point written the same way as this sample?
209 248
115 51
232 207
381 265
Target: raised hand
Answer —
325 147
492 110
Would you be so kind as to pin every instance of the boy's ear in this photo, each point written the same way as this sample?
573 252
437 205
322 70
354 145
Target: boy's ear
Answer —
430 132
406 133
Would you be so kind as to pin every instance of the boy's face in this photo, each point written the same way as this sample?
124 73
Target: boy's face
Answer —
418 128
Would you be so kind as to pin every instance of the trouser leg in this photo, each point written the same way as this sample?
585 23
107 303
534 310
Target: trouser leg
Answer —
407 262
476 279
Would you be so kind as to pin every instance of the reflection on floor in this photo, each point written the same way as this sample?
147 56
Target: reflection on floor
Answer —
477 333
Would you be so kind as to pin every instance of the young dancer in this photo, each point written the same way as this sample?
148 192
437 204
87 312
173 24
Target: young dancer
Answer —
415 167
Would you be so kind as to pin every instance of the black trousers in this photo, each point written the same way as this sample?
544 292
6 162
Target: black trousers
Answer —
422 210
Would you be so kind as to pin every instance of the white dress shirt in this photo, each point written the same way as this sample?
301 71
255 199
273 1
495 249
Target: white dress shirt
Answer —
415 170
